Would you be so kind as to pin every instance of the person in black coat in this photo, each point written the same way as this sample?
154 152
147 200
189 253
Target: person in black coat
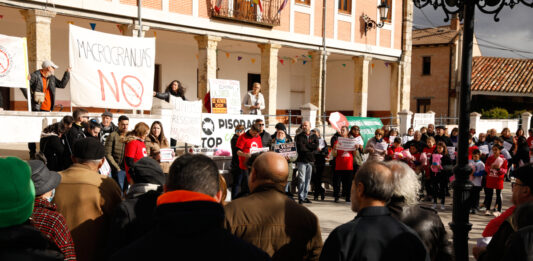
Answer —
520 245
37 86
320 162
441 137
189 219
175 88
374 234
266 138
133 217
306 145
52 147
75 133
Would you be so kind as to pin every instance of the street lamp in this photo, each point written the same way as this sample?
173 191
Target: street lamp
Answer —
383 12
460 224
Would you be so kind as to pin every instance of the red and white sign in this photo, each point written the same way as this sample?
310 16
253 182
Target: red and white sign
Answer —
111 71
13 62
337 120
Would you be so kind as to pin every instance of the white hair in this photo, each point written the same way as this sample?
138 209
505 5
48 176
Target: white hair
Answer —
405 180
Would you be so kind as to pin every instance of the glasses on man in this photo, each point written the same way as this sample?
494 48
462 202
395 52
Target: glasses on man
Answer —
85 117
260 124
514 183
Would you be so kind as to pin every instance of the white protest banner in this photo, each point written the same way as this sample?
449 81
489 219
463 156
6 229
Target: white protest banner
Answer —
166 155
507 145
258 150
111 71
451 152
186 121
286 149
13 62
225 96
346 144
484 149
423 120
359 140
218 129
105 170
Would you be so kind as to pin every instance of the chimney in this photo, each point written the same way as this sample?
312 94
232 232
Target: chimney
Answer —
455 24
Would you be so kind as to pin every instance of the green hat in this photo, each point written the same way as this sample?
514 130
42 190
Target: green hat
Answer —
17 193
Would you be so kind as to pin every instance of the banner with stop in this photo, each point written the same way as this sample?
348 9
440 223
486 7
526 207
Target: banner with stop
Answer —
13 62
111 71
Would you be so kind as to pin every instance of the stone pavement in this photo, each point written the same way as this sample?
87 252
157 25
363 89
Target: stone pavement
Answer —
331 215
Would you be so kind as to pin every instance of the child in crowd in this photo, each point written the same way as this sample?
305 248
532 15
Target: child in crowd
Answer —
440 166
414 159
395 150
425 159
496 167
478 171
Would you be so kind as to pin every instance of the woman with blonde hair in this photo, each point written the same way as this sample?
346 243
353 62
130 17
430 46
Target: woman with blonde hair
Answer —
135 148
154 142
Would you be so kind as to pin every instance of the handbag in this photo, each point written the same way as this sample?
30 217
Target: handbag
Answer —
38 97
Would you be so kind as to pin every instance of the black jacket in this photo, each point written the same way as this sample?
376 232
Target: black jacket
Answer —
520 246
266 139
25 243
166 95
420 145
132 219
36 85
306 147
53 150
190 231
498 243
75 133
373 235
234 149
444 139
106 131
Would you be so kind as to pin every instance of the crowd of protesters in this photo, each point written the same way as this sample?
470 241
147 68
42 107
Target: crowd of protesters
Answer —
98 191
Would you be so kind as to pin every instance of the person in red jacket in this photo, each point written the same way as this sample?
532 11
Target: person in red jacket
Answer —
427 151
135 148
343 169
496 167
395 149
245 142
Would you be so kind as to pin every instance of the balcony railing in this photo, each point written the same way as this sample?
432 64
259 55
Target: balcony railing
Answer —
262 12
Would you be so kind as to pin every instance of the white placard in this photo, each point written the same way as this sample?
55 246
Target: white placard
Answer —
423 120
186 121
507 145
105 170
484 149
227 90
451 152
391 139
111 71
346 144
381 146
286 149
359 141
13 62
218 129
166 155
258 150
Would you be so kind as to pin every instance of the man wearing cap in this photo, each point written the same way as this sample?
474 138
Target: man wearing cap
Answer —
19 240
522 189
107 126
43 84
45 217
442 137
87 199
134 216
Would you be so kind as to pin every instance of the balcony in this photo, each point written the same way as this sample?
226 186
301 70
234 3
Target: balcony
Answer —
262 12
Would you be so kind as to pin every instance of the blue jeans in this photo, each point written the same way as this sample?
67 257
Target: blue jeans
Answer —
304 178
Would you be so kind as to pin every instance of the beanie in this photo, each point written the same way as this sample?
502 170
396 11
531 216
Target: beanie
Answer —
17 193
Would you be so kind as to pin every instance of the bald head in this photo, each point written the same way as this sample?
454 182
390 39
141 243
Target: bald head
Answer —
270 167
377 180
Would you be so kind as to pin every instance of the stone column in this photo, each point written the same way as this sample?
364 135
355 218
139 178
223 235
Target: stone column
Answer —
395 92
39 36
316 81
361 85
474 120
405 121
269 78
309 111
405 60
207 62
526 122
133 30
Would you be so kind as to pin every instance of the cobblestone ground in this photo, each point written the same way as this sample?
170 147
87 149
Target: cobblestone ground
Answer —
331 215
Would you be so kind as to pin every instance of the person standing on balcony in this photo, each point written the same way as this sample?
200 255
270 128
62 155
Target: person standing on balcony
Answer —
175 88
254 100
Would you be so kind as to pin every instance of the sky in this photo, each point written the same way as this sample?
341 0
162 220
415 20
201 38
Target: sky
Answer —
514 31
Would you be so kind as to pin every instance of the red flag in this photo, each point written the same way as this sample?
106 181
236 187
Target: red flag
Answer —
217 6
259 3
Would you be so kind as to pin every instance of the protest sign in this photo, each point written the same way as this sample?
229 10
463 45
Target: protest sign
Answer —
13 62
423 120
186 121
367 126
166 155
484 149
451 152
286 149
105 170
225 96
218 129
381 146
258 150
111 71
507 145
337 120
346 144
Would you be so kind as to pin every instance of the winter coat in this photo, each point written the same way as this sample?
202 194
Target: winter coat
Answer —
166 95
87 199
520 246
306 146
189 227
25 243
499 242
106 131
373 235
114 151
446 166
495 177
50 223
266 139
75 133
53 149
133 217
376 154
152 143
234 156
275 223
36 85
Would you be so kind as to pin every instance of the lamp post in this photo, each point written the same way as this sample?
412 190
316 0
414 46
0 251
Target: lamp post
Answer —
383 14
460 224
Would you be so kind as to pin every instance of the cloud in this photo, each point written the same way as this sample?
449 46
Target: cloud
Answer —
512 32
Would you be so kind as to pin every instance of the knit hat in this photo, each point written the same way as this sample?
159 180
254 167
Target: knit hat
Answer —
88 149
148 170
280 126
17 193
44 179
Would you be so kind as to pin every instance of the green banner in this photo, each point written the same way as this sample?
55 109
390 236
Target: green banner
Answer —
367 125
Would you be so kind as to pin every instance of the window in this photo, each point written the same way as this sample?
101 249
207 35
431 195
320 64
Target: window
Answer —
303 2
345 6
389 13
253 77
157 78
423 105
426 65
